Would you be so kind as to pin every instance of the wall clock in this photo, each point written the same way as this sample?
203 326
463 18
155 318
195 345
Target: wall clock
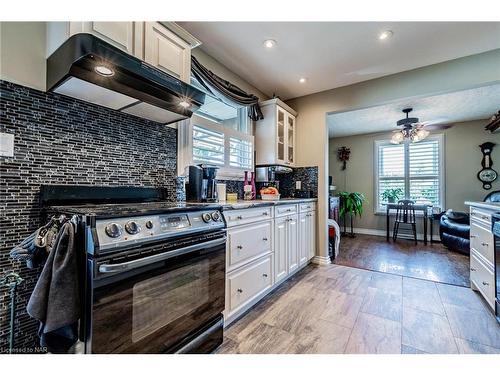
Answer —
487 175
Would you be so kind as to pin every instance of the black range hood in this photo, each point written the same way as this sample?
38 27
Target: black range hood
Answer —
88 68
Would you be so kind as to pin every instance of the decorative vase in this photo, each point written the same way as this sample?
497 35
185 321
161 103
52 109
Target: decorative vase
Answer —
254 190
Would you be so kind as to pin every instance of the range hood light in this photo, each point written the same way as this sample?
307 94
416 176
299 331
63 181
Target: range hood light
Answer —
104 71
185 104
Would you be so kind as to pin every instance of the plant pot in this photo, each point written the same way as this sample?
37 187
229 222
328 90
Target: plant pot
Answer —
391 200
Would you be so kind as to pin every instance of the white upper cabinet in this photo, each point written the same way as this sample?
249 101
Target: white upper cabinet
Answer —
166 51
275 134
166 48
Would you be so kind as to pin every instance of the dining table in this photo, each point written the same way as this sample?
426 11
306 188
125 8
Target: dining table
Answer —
423 207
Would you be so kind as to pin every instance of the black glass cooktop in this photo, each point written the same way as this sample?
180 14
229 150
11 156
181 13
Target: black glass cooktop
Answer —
132 209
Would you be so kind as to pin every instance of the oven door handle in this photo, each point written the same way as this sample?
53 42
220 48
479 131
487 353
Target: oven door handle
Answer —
126 266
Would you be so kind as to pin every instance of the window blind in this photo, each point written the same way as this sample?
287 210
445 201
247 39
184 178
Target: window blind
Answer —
391 169
208 146
240 153
424 171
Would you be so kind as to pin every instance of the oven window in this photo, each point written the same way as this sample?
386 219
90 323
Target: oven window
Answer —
160 300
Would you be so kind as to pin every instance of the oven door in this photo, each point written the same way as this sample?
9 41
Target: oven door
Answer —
150 304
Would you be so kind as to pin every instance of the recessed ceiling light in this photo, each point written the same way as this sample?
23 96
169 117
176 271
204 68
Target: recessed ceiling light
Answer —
385 34
303 80
269 43
104 71
184 104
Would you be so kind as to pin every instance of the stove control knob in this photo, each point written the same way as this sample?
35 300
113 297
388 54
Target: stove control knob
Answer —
113 230
132 227
215 216
149 224
206 217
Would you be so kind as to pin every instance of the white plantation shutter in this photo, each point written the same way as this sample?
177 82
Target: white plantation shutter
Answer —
240 153
424 179
208 146
391 168
415 168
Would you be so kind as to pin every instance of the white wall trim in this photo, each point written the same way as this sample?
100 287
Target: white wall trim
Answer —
323 261
382 233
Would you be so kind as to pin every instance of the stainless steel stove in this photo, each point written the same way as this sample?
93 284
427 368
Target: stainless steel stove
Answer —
154 271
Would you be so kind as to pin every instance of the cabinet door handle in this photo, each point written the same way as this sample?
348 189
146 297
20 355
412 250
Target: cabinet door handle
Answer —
239 247
264 274
239 290
484 244
472 269
485 283
473 236
239 217
264 239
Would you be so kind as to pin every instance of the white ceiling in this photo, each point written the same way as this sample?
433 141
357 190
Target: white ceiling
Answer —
466 105
334 54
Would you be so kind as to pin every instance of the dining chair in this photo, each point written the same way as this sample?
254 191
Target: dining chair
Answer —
405 214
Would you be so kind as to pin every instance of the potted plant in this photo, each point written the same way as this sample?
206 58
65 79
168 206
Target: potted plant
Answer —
391 195
352 204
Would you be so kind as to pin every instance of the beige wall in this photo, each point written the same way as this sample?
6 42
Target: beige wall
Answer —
312 135
22 53
462 162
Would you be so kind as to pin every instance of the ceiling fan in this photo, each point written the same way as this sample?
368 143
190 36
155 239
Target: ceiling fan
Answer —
414 130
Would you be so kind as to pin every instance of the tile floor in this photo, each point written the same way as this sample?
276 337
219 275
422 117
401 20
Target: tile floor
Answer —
338 309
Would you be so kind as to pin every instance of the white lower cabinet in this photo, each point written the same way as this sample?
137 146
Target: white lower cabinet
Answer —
264 247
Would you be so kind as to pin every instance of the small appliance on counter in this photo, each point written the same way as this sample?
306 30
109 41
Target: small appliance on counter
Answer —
202 186
496 238
266 175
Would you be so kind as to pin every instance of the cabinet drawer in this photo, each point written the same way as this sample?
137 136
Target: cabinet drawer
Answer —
247 242
285 210
247 216
480 216
305 207
249 282
481 240
483 278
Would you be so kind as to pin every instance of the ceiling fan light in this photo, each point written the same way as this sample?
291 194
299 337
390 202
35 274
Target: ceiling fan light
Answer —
422 134
397 138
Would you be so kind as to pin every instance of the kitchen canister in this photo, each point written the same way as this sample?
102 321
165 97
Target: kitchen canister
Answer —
221 192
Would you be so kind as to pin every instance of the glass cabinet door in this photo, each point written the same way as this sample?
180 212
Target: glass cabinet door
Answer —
280 140
290 141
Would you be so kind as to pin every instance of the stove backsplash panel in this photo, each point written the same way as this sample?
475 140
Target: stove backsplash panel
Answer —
61 140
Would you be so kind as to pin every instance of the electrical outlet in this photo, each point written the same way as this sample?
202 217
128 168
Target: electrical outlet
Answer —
298 185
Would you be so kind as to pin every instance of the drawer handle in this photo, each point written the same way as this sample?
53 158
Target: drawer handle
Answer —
484 217
289 210
264 239
239 217
239 290
264 274
239 247
484 244
473 269
485 283
265 213
473 236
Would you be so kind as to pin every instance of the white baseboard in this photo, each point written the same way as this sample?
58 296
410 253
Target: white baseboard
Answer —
321 260
382 233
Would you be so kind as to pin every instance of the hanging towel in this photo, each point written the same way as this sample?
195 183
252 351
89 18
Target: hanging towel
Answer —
55 301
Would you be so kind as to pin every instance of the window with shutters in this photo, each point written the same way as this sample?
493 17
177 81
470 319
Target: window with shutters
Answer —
414 168
217 134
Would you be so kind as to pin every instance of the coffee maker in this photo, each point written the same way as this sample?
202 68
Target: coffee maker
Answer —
202 186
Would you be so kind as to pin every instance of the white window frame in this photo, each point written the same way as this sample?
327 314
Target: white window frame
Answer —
185 147
378 209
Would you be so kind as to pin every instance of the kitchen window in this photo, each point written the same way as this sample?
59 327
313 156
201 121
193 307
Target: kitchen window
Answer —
416 169
217 134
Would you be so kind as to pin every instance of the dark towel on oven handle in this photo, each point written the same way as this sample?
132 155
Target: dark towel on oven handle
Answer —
55 301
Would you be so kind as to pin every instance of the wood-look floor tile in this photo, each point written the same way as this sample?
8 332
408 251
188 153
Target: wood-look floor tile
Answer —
321 337
405 349
460 296
383 304
474 325
422 295
292 316
354 283
374 335
341 308
265 339
228 346
469 347
428 332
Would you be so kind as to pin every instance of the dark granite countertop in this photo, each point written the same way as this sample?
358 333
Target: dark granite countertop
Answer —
242 204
